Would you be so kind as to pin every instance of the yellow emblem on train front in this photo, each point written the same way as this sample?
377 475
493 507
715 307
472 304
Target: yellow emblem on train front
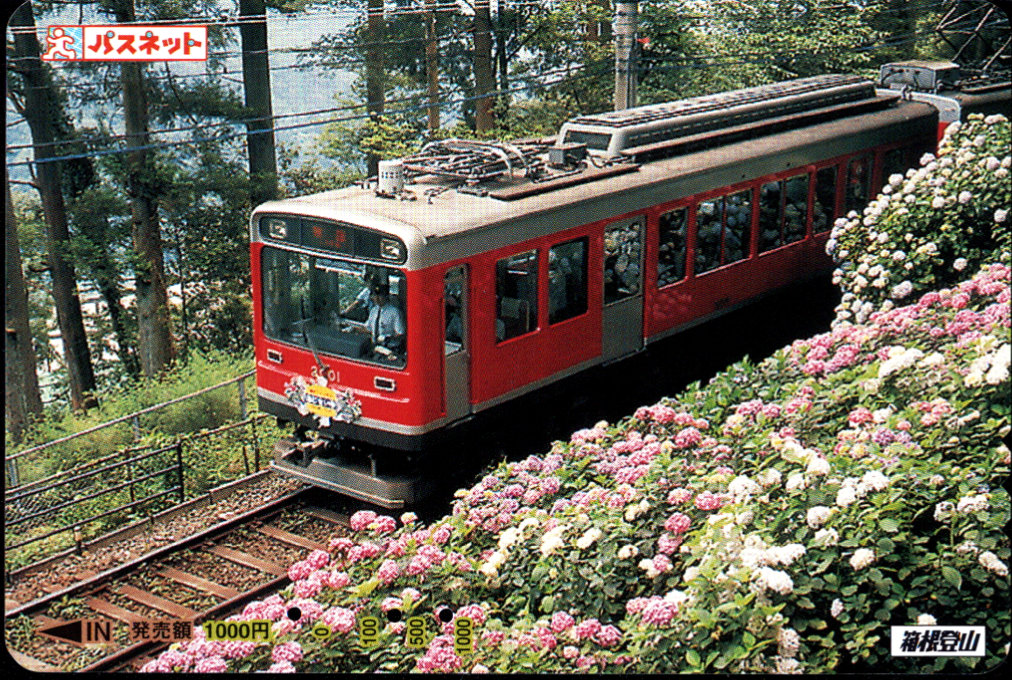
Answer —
321 406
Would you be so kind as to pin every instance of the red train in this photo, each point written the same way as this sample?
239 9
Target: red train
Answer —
473 273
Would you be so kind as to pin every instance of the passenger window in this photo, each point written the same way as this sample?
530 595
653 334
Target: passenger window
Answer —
453 310
671 254
709 215
516 289
858 183
738 224
769 217
893 164
567 280
621 261
824 208
795 208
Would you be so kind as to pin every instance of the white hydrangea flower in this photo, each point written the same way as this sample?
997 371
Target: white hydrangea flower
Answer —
769 477
818 515
938 202
972 504
588 538
990 561
862 558
1000 215
773 579
827 537
796 481
875 480
943 511
964 197
836 608
647 565
846 496
817 465
784 555
742 486
926 620
628 551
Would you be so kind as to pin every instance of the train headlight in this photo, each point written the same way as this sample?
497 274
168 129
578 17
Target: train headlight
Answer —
391 249
277 229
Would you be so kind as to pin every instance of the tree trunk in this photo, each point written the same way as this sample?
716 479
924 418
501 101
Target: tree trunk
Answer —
40 112
21 382
502 57
484 76
256 84
374 85
154 334
106 277
432 64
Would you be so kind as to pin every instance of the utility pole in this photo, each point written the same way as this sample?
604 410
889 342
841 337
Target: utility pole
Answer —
626 53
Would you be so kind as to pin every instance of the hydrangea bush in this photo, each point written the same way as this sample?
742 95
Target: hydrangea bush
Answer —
777 519
928 229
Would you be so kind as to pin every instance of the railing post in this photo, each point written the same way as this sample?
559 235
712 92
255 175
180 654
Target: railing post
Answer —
256 444
179 465
242 398
136 422
245 459
12 472
130 478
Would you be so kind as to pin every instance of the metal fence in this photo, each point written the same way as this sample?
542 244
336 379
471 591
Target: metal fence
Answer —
130 484
19 465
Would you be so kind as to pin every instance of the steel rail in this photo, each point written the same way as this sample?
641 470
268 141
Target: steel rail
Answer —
276 505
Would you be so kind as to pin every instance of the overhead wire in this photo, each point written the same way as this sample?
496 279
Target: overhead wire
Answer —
421 107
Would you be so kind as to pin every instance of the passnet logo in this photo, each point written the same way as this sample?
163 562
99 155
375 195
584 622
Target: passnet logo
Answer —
126 43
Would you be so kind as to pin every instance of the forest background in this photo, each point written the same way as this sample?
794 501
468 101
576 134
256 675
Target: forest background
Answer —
129 186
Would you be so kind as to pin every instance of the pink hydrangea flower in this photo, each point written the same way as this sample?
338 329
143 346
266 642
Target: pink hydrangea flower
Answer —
383 524
300 570
608 636
709 501
341 543
678 496
318 559
678 523
587 629
388 572
561 621
361 520
282 667
210 664
659 612
340 619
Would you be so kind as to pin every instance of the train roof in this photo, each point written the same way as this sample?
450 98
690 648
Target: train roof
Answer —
435 208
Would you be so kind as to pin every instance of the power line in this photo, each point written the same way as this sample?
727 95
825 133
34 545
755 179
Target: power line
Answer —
606 63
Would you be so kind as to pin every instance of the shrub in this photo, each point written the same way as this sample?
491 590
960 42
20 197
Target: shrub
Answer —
928 229
778 519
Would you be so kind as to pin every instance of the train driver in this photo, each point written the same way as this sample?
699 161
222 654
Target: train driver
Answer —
364 298
385 322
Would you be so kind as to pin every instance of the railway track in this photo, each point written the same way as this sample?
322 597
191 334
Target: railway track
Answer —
206 576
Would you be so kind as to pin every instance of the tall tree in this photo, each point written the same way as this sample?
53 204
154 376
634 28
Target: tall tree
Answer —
21 381
154 333
432 64
256 84
374 71
40 110
484 75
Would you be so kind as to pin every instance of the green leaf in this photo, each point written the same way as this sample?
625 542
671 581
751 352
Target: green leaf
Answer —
692 657
548 604
952 576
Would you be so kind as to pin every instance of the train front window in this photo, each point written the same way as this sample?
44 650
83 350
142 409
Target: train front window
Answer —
335 307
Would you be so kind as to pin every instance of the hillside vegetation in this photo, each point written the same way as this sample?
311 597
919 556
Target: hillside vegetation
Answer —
778 519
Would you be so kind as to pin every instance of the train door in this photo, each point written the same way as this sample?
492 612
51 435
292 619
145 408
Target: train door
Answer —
456 354
622 317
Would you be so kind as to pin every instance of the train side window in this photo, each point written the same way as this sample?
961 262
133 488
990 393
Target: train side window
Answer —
709 218
895 162
795 208
622 243
516 289
671 253
567 280
770 209
858 183
824 208
737 224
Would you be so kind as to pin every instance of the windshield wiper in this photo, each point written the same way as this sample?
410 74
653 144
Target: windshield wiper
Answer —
312 348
